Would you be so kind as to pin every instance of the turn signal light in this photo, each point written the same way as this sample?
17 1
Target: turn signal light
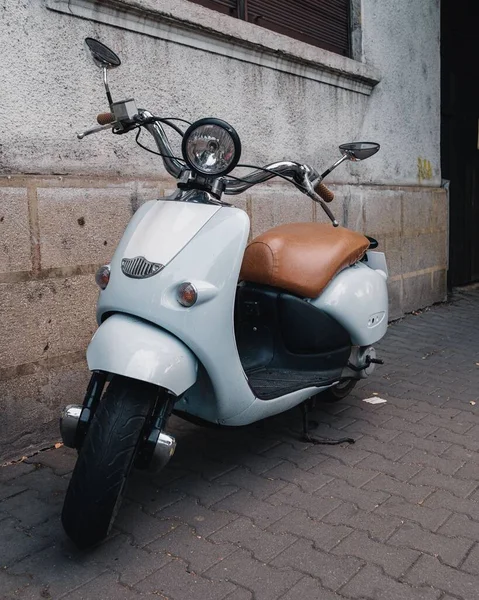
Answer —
102 276
187 294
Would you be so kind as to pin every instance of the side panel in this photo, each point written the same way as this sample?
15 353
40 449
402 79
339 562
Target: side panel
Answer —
358 299
126 346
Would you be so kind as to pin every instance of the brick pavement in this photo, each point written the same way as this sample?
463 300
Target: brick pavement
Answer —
256 514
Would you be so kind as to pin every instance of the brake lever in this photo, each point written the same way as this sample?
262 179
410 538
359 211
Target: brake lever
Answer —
95 129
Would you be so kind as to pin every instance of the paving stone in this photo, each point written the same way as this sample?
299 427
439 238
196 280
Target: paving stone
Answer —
176 582
140 526
431 477
379 527
450 550
307 481
17 542
425 516
348 454
469 471
390 451
444 465
371 583
413 493
398 470
304 459
105 587
466 441
197 551
461 525
394 561
240 594
264 581
310 589
471 564
332 571
261 513
50 487
263 545
260 486
430 571
363 498
15 470
65 571
323 535
61 460
352 475
120 555
315 506
204 521
446 500
27 509
11 489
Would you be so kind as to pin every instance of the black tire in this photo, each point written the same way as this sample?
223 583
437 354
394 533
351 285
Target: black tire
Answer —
338 392
105 460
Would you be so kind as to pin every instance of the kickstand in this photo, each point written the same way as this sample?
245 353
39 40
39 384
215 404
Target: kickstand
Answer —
307 425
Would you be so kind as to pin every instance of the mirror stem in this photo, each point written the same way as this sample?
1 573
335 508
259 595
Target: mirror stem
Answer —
107 87
336 164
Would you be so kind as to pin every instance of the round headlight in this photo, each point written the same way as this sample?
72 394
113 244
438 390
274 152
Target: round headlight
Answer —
211 147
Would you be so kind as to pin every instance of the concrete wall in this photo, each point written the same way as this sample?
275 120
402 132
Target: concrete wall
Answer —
64 203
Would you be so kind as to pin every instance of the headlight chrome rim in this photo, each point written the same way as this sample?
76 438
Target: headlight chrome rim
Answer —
235 140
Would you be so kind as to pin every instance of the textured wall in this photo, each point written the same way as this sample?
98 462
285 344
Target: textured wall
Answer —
64 203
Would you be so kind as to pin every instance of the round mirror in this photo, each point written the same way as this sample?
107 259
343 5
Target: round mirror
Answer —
102 55
359 150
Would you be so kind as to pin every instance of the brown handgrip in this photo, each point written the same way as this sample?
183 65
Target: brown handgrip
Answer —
105 118
326 194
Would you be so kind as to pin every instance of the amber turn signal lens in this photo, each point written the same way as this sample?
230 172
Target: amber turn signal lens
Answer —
187 294
102 276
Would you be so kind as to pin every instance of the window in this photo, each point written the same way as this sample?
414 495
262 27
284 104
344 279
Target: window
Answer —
323 23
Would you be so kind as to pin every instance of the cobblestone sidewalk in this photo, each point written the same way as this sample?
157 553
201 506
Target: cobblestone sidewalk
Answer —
255 514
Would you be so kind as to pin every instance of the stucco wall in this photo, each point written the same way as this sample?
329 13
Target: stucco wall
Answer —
64 203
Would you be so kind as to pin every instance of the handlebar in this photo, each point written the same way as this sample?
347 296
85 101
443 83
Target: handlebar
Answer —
325 193
105 118
302 176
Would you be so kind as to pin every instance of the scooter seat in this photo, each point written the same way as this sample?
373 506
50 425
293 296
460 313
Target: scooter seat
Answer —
301 258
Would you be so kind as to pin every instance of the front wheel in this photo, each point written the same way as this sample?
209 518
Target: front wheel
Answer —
105 460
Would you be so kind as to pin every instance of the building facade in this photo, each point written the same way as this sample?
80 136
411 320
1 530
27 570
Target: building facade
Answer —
64 203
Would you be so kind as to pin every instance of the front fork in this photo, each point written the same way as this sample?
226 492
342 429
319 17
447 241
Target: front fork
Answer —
157 447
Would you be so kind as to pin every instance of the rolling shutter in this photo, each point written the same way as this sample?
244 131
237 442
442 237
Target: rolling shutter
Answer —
323 23
228 7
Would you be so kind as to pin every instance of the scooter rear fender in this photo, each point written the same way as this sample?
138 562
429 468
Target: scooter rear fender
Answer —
127 346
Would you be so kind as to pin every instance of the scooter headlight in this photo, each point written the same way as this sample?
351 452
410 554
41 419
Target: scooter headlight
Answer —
211 147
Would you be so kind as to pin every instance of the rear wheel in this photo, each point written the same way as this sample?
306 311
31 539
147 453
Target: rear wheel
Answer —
105 460
338 392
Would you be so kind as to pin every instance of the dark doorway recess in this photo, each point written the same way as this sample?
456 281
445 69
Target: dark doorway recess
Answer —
460 135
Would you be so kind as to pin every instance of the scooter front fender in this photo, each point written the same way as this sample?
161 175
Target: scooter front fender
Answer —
127 346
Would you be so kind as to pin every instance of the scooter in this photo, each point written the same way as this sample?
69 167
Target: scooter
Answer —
196 321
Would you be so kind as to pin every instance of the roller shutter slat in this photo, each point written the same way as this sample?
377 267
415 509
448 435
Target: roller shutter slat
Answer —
323 23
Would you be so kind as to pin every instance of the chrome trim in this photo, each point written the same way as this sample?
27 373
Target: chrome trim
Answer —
285 167
69 419
140 268
164 449
173 166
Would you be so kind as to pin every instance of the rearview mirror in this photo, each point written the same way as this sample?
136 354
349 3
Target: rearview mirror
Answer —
102 55
359 150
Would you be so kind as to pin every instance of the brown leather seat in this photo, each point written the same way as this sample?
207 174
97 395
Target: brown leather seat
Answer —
301 258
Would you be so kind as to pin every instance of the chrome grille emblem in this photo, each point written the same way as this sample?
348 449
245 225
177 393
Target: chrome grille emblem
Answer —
139 267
